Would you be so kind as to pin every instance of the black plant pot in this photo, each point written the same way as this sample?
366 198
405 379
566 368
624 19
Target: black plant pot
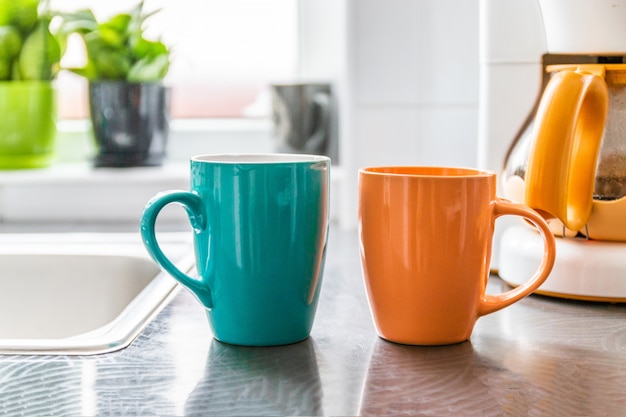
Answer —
130 122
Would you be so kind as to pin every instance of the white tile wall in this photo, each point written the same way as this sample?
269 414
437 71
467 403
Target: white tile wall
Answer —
448 135
382 131
424 135
416 51
407 83
387 62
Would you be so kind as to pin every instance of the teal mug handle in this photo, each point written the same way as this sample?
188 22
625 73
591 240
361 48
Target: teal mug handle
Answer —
193 205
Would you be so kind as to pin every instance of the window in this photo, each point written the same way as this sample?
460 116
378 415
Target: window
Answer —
225 52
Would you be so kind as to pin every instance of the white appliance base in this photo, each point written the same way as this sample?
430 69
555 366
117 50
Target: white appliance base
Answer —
588 270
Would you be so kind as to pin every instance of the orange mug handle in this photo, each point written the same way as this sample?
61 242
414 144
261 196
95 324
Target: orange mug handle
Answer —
566 142
494 302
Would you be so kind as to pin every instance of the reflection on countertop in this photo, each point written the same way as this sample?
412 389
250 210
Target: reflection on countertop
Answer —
270 384
542 356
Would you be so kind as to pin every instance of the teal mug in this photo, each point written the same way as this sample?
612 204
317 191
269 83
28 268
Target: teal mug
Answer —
260 226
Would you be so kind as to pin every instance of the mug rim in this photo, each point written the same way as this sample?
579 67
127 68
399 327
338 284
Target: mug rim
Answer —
259 158
420 171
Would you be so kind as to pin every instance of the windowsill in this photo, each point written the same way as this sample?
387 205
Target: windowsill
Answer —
72 191
187 137
230 124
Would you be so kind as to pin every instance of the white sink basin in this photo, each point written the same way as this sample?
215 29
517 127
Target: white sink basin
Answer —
81 294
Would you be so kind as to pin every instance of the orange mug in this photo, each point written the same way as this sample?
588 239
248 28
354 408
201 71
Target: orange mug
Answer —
426 235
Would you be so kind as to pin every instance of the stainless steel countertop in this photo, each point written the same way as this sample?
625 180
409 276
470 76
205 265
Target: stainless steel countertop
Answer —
542 356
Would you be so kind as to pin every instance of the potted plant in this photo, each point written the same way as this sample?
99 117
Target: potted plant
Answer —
29 62
128 102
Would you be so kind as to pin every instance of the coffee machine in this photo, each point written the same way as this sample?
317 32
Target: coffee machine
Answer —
519 41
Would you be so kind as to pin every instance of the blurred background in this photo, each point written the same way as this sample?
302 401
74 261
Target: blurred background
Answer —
404 76
223 53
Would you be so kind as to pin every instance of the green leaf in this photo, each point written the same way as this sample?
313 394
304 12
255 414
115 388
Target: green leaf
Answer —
15 71
88 71
116 48
119 23
81 21
24 15
40 54
5 69
111 65
76 26
6 11
149 69
142 48
111 37
10 42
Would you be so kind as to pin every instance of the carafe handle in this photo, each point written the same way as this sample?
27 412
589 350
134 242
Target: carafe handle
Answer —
566 142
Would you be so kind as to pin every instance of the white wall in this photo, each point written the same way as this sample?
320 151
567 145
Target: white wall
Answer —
406 73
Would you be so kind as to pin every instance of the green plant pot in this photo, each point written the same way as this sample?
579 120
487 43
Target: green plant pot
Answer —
130 122
28 124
